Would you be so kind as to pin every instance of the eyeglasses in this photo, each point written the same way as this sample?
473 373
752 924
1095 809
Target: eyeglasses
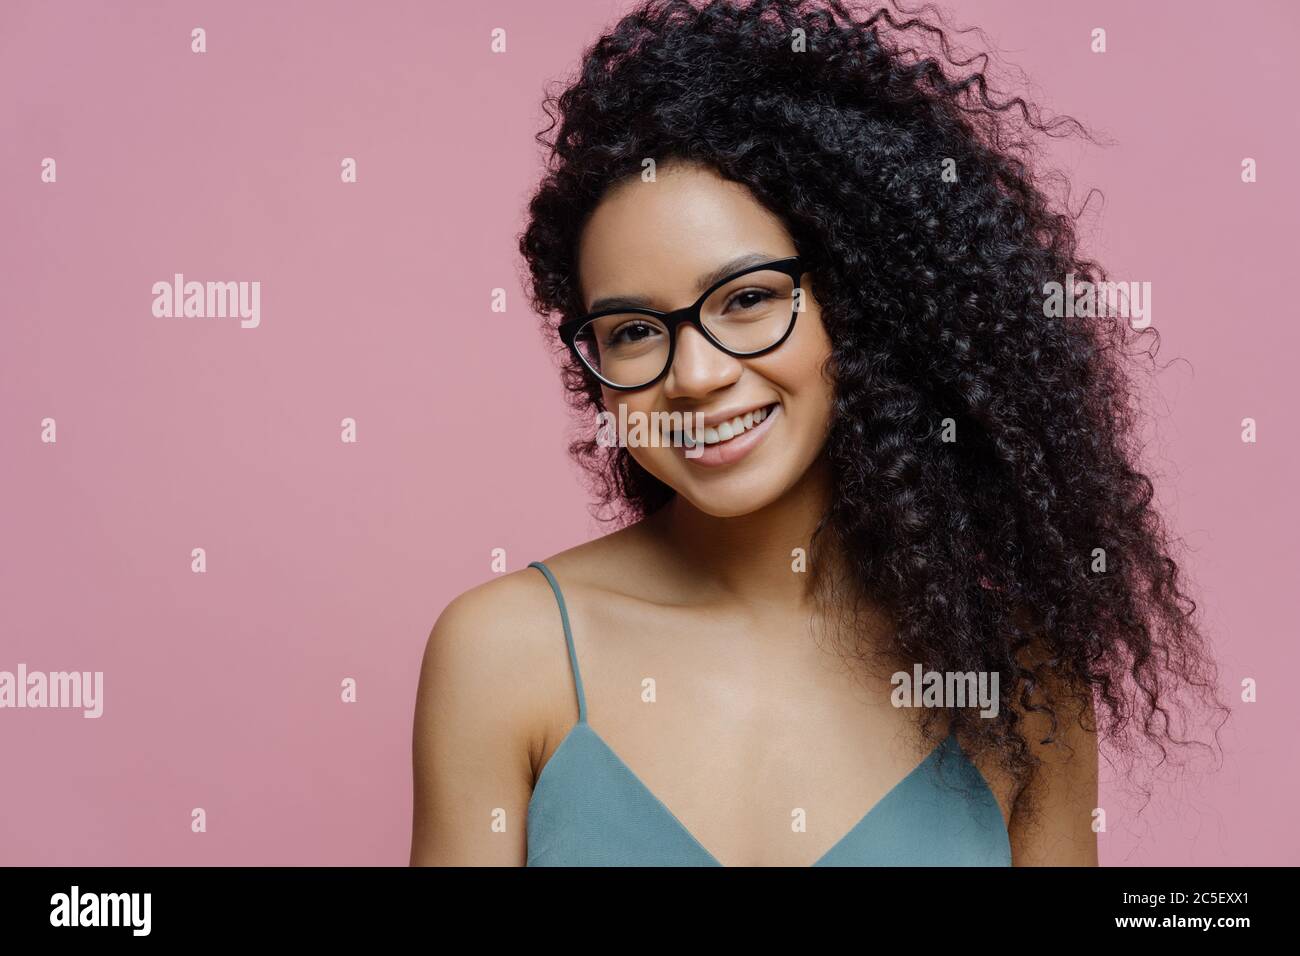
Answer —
748 313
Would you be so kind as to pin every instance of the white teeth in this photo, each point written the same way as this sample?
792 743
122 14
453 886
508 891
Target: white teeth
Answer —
723 432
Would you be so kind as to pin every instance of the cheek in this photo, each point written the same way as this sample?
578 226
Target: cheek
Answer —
799 367
804 374
814 341
641 402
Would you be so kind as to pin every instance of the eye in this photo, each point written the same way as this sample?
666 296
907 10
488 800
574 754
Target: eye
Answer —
629 333
749 298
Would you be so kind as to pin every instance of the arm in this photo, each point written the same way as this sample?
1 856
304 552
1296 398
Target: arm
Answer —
470 746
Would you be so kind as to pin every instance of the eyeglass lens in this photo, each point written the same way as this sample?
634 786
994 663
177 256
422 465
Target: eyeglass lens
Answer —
748 314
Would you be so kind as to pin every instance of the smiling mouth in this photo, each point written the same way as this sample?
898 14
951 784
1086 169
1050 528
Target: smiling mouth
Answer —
724 432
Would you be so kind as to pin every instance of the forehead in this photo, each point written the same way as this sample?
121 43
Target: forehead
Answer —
656 238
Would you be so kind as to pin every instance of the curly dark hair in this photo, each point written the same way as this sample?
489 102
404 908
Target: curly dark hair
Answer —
980 550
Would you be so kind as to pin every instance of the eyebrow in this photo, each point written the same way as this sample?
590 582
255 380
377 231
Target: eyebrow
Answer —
702 283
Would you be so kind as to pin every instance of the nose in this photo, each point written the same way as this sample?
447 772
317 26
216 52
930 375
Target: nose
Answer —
698 366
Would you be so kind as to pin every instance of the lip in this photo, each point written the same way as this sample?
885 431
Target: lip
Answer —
733 450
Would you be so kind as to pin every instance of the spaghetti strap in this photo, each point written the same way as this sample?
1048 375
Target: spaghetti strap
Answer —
568 638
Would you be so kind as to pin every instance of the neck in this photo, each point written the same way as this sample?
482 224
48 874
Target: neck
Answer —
750 557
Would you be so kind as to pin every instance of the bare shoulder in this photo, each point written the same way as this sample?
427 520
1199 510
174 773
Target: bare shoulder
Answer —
619 574
497 652
609 559
489 640
493 668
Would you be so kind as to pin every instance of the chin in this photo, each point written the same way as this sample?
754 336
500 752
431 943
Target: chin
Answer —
725 510
735 498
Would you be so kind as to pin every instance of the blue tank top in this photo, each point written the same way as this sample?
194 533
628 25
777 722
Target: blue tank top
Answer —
589 809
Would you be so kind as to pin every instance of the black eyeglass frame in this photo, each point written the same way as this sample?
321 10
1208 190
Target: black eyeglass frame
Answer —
791 266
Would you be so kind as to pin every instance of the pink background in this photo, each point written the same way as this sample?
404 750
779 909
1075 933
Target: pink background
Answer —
328 560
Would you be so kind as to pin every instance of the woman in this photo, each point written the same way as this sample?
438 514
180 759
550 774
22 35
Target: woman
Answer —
800 230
